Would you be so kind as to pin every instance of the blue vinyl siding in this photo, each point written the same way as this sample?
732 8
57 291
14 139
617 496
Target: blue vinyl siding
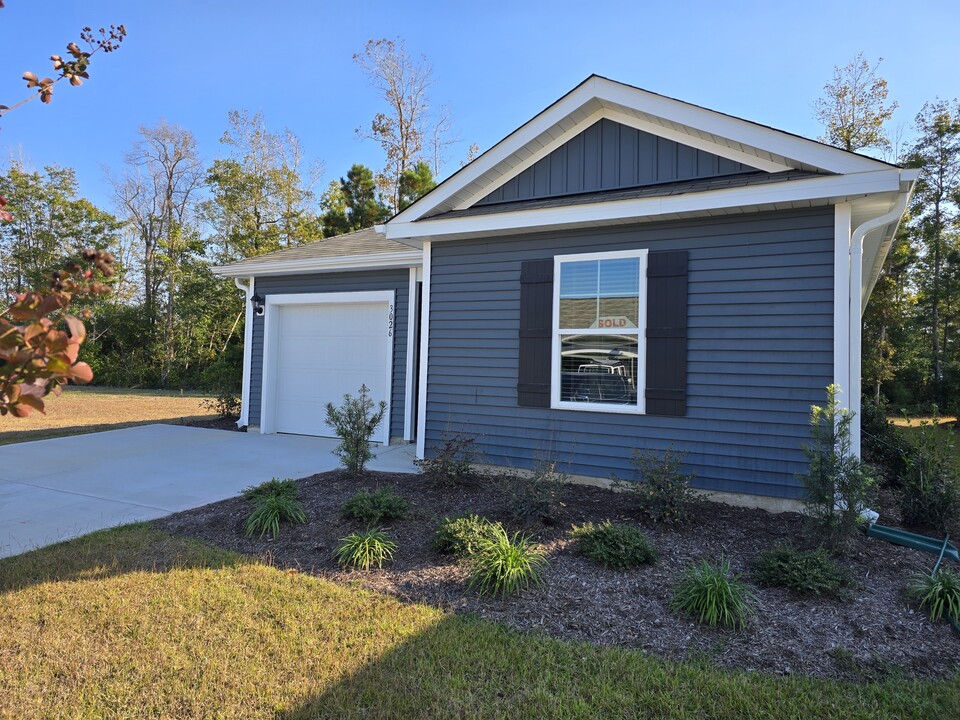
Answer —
760 351
396 280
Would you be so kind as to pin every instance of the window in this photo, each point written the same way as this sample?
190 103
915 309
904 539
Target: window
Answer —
599 320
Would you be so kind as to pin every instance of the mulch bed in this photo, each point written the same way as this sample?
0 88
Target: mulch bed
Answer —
876 632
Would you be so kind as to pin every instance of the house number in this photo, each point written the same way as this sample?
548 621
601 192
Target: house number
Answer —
390 322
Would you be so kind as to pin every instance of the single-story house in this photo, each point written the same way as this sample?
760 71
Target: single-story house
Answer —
624 270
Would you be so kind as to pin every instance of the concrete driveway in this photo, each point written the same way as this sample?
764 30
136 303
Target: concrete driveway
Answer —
52 490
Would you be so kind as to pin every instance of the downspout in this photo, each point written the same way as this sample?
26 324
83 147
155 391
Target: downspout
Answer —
247 348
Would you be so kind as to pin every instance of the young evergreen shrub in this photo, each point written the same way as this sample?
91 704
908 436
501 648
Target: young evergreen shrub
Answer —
354 422
270 510
839 486
364 549
372 507
273 486
537 495
614 545
929 491
451 464
712 595
505 565
663 492
939 593
811 572
462 537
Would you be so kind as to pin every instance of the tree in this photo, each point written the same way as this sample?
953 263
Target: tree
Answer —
854 107
353 204
414 184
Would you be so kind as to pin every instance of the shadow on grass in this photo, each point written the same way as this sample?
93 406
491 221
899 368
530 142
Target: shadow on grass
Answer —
19 436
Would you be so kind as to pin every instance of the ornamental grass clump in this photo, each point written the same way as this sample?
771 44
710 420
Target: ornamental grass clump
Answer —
504 565
286 487
372 507
712 595
364 549
938 593
615 546
463 536
270 510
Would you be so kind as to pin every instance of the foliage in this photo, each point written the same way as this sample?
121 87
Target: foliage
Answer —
929 490
536 495
614 545
269 510
452 463
504 566
354 424
415 182
881 439
939 593
364 549
274 487
839 486
224 377
712 595
811 572
371 507
663 492
353 203
463 536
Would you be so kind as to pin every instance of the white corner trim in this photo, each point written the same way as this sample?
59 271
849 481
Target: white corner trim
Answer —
403 259
409 389
841 298
424 353
248 321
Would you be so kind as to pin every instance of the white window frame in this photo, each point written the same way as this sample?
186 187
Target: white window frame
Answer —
641 330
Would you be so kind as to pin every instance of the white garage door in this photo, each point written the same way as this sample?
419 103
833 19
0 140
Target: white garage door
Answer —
323 351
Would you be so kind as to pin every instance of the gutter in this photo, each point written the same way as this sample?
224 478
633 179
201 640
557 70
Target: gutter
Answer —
247 348
347 262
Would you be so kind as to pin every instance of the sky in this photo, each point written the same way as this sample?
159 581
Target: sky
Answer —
496 64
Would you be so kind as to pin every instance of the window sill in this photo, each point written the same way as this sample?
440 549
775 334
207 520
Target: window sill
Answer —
597 407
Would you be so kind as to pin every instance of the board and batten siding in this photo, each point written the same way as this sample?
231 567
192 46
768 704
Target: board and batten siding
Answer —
396 280
760 352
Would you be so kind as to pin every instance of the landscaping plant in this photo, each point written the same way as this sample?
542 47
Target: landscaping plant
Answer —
663 493
839 486
939 593
712 595
273 486
929 490
270 510
364 549
451 464
504 565
614 545
463 536
537 495
354 422
372 507
811 572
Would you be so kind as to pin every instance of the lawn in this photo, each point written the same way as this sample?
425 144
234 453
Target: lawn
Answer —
91 409
132 622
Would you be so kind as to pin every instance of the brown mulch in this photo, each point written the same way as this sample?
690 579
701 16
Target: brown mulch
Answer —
877 631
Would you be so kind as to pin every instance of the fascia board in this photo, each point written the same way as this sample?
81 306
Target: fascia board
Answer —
347 263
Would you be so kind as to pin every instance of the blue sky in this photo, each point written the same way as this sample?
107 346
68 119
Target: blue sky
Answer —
496 63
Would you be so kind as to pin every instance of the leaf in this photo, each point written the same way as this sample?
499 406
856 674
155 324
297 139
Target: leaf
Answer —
31 78
78 330
81 373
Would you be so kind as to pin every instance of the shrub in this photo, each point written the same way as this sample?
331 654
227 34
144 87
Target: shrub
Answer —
452 463
504 565
372 507
881 439
224 378
270 510
535 496
365 549
614 546
712 595
940 592
463 536
809 572
663 492
272 487
354 424
929 491
839 486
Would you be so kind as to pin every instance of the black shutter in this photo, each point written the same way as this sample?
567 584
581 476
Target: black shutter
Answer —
667 333
536 323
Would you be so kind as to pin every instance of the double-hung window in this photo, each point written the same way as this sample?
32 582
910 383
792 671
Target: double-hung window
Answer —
599 324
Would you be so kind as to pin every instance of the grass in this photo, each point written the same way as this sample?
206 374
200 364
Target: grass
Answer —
134 623
93 409
911 429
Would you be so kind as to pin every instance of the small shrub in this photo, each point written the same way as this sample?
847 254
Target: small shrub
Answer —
614 546
809 572
939 593
226 404
839 486
272 487
452 462
354 423
535 496
364 549
504 565
712 595
881 439
463 536
929 490
270 510
372 507
663 493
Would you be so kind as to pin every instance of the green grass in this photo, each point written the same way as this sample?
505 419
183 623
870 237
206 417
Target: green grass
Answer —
134 623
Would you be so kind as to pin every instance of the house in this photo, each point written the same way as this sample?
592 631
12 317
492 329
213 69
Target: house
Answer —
624 270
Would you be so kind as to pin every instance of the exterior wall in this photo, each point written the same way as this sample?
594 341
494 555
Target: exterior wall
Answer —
397 280
760 351
606 156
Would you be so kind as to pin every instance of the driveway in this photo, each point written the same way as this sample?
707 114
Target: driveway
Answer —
52 490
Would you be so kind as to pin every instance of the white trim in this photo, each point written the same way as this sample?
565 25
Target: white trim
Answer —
424 352
248 321
270 339
827 188
299 265
841 298
640 331
408 389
